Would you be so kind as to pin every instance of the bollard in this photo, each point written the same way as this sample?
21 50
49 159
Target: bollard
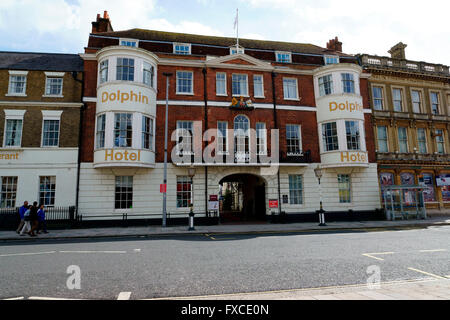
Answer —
191 219
321 213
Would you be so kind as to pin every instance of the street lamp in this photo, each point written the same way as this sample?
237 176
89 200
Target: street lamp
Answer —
321 212
164 220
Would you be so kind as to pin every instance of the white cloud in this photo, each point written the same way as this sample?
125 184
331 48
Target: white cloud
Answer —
372 27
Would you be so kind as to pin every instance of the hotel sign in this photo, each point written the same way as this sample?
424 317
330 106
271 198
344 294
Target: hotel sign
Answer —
341 107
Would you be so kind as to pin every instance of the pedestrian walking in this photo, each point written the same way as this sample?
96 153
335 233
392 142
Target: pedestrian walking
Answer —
42 224
27 222
33 219
22 211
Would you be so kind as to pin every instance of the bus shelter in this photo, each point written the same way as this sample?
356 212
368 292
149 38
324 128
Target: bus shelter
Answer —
404 201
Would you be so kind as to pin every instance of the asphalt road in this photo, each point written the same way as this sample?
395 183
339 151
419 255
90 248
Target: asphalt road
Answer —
200 265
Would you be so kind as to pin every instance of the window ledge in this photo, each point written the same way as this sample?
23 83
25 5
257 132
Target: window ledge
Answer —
185 93
241 95
292 99
221 95
52 96
259 97
16 95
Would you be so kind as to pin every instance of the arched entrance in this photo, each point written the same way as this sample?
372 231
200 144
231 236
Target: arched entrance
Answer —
243 198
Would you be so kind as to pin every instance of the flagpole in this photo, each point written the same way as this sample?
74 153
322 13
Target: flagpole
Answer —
237 30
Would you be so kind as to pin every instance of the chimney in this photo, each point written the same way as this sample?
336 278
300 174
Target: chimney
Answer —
398 51
102 24
334 45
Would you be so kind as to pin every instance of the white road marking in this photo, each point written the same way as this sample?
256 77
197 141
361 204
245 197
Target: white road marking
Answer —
26 254
427 273
372 255
137 250
49 298
17 298
435 250
92 251
124 296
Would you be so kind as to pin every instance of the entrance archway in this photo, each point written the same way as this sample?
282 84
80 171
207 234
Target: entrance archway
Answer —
243 198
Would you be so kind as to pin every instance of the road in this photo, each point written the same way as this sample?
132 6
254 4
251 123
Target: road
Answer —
199 265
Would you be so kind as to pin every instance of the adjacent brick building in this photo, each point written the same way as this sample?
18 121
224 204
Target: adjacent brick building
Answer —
410 101
40 108
317 99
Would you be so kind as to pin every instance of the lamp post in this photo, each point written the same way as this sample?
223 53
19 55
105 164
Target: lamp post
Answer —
321 212
191 173
164 220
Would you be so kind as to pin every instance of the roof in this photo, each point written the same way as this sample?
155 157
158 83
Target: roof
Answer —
40 61
154 35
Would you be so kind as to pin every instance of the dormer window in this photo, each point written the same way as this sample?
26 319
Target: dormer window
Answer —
129 43
54 84
17 83
182 48
236 50
284 57
331 59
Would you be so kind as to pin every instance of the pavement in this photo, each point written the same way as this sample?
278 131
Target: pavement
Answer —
228 229
420 289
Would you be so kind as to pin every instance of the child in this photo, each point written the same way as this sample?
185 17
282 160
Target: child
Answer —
41 220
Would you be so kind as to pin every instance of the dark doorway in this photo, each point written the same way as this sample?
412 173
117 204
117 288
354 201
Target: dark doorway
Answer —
243 198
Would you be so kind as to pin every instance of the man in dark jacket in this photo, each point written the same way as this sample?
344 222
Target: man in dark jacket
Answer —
22 210
33 219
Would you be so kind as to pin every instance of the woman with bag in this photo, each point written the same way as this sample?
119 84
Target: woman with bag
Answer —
27 220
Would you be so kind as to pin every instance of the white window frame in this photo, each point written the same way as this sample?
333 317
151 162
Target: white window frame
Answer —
129 40
300 142
296 89
239 50
322 94
97 131
407 139
11 190
421 104
246 85
121 181
279 54
443 141
180 44
264 138
191 93
101 68
224 94
222 152
383 96
262 86
331 57
291 200
184 180
54 75
55 116
358 135
402 94
47 191
350 199
439 111
387 138
426 140
13 115
179 133
150 133
134 68
151 71
14 73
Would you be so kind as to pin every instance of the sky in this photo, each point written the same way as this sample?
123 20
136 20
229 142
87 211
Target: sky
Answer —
371 27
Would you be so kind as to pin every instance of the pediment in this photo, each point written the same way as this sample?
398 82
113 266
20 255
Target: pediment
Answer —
240 59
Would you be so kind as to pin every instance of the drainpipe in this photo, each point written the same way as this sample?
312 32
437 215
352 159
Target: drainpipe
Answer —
205 97
275 120
83 107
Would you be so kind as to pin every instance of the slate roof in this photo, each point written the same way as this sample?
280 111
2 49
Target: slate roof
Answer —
143 34
40 61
